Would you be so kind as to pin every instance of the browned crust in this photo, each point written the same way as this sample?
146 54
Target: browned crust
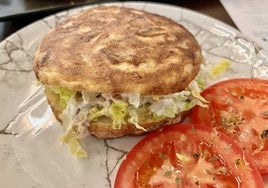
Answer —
105 130
113 49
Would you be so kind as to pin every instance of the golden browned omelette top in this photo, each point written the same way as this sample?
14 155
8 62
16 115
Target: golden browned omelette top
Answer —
112 49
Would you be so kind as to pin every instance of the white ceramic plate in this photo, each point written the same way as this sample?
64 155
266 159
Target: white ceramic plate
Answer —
30 151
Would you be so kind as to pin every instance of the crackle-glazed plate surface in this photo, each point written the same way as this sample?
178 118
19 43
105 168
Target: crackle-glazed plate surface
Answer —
31 154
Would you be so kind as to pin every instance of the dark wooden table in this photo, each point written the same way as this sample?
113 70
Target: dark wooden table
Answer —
38 9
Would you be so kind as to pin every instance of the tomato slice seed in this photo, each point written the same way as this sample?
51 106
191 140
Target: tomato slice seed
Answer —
187 156
244 117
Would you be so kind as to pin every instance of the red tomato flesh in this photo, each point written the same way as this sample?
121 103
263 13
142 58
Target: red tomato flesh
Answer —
186 155
239 108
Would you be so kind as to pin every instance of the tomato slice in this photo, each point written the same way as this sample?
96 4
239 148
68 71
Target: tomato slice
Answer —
186 155
239 108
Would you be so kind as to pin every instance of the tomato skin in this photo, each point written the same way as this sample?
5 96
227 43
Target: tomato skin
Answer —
239 108
203 148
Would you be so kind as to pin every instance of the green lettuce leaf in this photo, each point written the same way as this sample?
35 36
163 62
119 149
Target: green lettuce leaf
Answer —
134 117
219 68
96 113
64 93
118 111
74 145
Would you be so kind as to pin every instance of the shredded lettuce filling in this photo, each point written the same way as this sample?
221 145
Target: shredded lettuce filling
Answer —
81 109
85 108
